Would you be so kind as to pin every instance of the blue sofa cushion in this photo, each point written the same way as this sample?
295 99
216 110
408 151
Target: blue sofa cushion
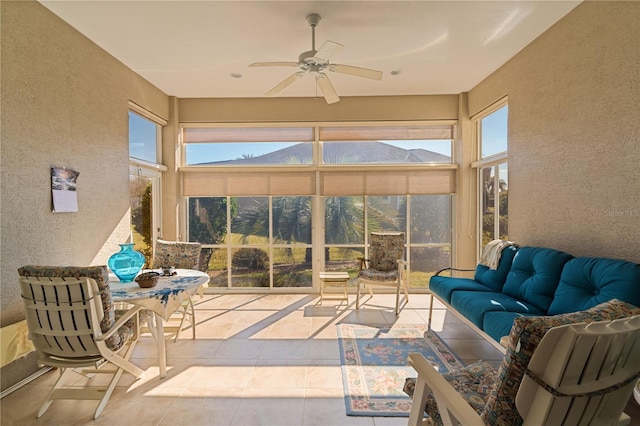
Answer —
498 324
494 279
588 281
444 287
474 304
534 275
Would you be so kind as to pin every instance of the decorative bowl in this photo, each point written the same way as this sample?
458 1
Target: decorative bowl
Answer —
148 279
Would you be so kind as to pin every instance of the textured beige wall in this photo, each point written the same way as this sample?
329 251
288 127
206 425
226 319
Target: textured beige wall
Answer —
574 133
434 107
64 103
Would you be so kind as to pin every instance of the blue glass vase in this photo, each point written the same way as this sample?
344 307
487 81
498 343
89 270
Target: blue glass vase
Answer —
126 263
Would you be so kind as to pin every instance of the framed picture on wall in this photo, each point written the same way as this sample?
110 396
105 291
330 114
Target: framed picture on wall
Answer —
63 189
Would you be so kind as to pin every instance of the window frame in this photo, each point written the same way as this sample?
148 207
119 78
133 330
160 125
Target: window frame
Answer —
317 146
495 161
151 170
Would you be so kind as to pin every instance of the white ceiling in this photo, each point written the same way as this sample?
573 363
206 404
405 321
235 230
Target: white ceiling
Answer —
190 49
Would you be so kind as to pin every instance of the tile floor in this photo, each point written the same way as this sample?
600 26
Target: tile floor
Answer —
258 360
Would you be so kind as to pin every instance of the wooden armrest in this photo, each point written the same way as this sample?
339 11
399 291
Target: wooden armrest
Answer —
454 269
123 319
449 401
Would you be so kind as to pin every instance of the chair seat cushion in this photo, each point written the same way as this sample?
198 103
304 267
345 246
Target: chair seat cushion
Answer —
474 304
473 383
444 287
375 275
498 324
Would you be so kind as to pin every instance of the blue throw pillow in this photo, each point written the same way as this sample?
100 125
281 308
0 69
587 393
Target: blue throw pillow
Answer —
535 274
589 281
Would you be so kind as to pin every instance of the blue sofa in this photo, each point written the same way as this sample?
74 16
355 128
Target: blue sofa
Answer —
534 281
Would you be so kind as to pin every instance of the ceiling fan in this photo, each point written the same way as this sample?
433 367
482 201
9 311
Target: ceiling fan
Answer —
316 63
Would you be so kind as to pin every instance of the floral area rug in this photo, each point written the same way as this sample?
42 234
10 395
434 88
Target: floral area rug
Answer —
374 365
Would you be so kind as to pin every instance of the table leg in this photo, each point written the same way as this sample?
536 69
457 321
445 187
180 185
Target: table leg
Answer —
162 351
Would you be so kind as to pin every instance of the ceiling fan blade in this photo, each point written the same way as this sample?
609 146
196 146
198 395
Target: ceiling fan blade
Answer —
284 83
327 50
273 64
328 91
356 71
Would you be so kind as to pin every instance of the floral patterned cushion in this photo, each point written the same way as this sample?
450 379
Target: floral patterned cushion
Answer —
375 275
385 250
177 254
473 383
101 275
492 393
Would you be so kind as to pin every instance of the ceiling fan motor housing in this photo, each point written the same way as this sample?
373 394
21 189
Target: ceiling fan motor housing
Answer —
313 19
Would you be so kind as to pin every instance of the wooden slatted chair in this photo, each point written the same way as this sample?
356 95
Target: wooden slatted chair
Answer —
385 266
73 330
577 368
181 255
582 374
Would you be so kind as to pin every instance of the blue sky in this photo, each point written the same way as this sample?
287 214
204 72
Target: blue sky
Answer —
204 153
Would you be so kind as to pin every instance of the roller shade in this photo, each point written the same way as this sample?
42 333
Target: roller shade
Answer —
427 182
204 184
441 181
355 133
247 134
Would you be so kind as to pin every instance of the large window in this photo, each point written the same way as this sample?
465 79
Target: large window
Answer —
425 220
493 177
266 242
258 242
144 137
273 206
241 146
144 178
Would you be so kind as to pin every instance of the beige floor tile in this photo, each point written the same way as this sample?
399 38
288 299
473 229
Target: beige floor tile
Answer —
285 349
277 376
326 349
239 348
191 411
324 376
270 411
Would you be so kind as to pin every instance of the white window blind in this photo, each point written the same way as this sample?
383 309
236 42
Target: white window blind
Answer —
247 134
204 184
415 182
354 133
